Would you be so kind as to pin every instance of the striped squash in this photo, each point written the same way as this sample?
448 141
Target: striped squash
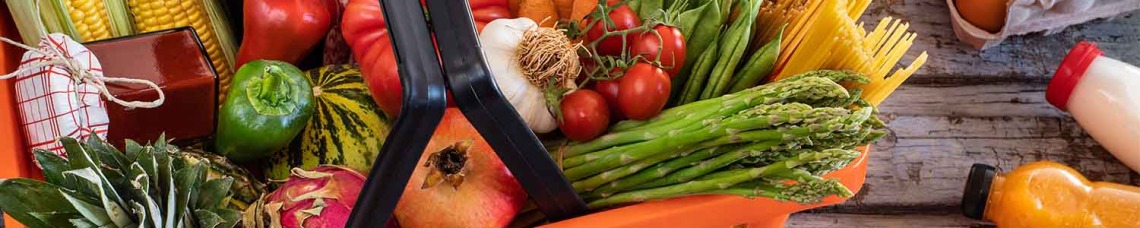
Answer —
347 128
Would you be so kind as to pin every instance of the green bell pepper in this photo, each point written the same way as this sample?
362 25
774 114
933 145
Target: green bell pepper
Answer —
268 104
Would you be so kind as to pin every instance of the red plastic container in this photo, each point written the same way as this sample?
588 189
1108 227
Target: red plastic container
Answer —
717 211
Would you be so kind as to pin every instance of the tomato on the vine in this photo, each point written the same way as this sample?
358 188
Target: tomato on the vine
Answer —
670 45
623 18
585 115
609 90
643 92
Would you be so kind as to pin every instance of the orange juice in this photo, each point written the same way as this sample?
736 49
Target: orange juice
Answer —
1048 194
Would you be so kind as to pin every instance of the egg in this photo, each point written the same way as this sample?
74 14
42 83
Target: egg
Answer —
988 15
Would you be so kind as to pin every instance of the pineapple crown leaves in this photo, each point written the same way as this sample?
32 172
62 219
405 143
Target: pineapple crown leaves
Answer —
99 186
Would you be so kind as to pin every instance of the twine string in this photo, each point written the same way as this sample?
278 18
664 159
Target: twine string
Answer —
80 75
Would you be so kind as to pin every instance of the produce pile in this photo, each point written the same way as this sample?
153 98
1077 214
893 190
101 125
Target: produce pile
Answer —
143 186
747 143
638 100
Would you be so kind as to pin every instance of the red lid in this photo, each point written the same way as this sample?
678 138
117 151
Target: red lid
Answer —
1069 73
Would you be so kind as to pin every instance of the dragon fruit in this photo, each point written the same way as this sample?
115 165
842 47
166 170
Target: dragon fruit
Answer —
322 197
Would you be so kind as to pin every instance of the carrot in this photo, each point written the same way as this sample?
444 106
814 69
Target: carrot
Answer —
582 8
564 7
514 6
542 11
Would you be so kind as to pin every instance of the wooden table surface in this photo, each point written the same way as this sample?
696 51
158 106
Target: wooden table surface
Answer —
967 106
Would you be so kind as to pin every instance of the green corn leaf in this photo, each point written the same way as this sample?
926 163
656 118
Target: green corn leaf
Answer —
55 17
120 18
47 209
213 193
53 167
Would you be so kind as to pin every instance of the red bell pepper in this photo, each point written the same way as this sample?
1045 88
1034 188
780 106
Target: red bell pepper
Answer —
366 32
283 30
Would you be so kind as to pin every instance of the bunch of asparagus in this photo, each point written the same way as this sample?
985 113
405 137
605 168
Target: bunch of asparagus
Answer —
773 140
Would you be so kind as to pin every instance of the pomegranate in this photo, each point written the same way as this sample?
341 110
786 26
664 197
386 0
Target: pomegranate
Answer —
322 197
462 183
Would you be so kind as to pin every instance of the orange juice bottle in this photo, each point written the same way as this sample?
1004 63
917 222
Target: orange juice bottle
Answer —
1048 194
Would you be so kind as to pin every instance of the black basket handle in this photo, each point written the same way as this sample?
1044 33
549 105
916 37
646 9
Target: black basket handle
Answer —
477 96
424 102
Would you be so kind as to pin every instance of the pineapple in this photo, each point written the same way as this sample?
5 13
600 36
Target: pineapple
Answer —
147 186
245 189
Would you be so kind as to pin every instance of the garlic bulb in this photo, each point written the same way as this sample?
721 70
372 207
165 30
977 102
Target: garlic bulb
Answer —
501 40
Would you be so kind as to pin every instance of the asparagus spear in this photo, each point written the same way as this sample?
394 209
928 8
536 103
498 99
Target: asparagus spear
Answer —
839 76
814 91
808 189
611 176
816 167
701 168
817 121
731 177
844 141
758 117
660 170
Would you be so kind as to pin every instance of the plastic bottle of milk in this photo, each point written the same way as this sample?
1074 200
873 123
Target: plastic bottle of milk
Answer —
1103 95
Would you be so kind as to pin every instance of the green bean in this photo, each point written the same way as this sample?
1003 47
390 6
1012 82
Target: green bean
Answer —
731 51
650 9
703 32
698 76
758 66
687 21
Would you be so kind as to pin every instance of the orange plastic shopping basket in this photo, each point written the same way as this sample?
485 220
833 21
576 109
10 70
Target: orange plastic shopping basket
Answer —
15 161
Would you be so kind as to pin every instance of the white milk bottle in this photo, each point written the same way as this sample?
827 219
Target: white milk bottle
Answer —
1103 95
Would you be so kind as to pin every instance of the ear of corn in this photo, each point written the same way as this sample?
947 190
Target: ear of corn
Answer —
155 15
93 20
90 19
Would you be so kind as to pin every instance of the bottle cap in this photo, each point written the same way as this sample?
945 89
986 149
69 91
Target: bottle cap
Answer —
977 190
1069 73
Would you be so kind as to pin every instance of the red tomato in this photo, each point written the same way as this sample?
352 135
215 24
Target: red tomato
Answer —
585 115
670 44
609 90
366 32
623 18
643 92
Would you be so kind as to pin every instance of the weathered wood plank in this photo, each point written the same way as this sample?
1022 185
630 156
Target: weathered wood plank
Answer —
967 106
1031 57
812 220
1005 99
923 163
